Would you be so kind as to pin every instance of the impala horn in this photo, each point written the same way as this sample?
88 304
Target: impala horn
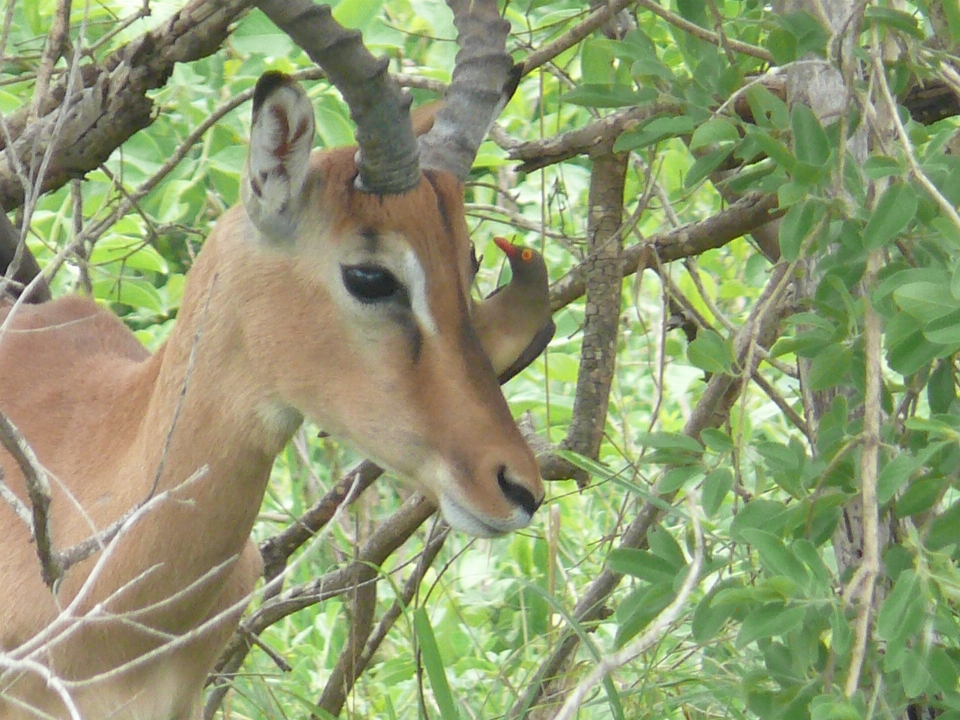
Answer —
484 79
387 158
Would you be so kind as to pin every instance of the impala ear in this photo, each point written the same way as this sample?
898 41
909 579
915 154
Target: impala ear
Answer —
280 142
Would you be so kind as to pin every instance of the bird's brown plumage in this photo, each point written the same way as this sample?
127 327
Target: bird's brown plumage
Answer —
515 319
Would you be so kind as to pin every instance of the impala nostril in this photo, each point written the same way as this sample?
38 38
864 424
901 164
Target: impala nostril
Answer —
516 493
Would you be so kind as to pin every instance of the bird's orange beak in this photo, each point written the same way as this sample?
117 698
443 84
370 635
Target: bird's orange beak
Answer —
509 249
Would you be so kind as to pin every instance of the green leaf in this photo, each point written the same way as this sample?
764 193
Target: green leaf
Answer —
670 441
914 673
769 515
596 66
716 440
768 620
896 19
807 553
796 225
951 9
782 45
945 530
942 670
706 164
606 95
841 631
648 604
676 478
651 68
663 544
768 110
710 353
900 600
774 148
810 141
893 476
775 556
926 301
907 349
955 279
829 367
715 488
654 131
895 209
944 330
881 166
811 36
716 130
434 665
828 707
642 564
356 14
709 618
941 388
920 496
133 292
778 456
131 252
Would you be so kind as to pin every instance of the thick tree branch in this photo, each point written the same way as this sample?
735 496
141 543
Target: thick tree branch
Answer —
603 279
112 103
716 231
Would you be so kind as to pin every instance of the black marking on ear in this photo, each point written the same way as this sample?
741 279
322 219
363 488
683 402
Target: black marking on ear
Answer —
431 177
267 83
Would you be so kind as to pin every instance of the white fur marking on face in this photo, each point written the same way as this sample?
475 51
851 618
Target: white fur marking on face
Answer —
417 287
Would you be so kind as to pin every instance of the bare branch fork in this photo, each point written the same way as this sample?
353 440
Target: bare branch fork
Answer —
38 490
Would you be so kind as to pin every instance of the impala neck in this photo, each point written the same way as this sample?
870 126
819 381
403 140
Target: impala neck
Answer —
206 414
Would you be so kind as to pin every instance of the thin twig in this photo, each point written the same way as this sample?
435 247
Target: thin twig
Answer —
19 506
863 584
38 490
704 34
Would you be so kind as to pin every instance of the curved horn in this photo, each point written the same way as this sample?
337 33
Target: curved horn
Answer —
387 159
484 79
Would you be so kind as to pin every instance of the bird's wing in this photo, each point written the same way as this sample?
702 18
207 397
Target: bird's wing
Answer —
532 352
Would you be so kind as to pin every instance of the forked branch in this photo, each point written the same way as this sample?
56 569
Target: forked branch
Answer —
38 490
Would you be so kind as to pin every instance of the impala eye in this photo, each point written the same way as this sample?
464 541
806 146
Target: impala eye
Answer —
371 283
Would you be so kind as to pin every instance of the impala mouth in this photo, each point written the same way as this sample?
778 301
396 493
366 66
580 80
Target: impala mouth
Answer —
462 519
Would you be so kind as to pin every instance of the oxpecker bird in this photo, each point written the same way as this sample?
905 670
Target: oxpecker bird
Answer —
514 321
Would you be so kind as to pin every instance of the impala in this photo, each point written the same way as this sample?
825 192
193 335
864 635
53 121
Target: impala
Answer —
338 290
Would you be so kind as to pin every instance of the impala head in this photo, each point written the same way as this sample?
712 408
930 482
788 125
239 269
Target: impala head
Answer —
365 258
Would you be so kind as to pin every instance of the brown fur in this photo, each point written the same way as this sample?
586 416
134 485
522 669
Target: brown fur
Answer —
276 342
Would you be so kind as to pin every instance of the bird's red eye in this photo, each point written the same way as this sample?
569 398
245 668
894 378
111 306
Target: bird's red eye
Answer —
526 255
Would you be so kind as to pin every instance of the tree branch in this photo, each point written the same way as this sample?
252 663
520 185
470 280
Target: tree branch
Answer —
113 102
